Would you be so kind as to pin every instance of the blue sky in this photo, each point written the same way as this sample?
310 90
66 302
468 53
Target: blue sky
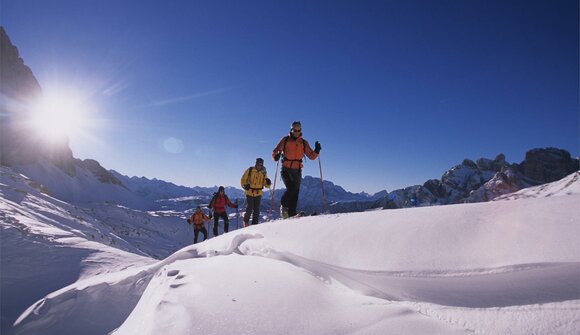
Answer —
397 92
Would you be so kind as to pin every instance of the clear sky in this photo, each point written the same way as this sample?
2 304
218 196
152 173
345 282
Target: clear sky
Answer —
397 92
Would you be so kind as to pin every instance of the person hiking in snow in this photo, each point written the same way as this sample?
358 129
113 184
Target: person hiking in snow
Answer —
292 149
255 178
197 219
218 204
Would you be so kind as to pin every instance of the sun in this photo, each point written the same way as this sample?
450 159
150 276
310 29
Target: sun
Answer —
59 115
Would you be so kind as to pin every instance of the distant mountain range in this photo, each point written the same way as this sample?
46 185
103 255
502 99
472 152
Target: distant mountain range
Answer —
485 179
83 182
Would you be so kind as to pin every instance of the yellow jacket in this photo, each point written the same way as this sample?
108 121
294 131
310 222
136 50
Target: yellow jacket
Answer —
257 181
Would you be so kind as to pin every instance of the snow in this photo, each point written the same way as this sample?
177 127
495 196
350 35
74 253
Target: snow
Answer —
501 267
566 186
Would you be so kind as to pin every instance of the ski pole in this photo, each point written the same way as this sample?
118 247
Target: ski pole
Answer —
245 206
273 190
237 214
322 184
210 224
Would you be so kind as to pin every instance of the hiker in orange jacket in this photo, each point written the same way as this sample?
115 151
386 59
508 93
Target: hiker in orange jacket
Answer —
197 219
218 203
292 149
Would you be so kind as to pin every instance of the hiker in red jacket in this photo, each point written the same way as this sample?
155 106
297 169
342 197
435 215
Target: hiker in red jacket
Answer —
218 204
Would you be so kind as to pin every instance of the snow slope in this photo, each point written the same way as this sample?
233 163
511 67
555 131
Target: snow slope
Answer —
503 267
566 186
46 244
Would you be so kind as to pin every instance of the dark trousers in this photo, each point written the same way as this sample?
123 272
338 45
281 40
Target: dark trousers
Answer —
291 179
216 217
196 234
253 208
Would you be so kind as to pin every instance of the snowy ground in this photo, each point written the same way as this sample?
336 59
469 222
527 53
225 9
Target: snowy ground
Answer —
504 267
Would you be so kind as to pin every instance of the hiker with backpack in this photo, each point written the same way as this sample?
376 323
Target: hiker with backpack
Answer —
292 149
197 219
253 182
218 203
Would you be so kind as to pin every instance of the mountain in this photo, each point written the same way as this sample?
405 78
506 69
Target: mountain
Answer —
486 179
19 90
85 183
338 200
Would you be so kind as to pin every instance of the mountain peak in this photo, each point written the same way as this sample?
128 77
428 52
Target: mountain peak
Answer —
19 144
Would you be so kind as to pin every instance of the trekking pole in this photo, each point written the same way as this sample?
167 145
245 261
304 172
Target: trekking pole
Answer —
210 224
237 214
273 190
322 184
245 206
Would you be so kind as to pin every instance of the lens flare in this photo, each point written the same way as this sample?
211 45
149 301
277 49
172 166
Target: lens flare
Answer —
59 115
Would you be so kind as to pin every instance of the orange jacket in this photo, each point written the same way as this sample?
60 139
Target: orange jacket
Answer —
293 150
198 218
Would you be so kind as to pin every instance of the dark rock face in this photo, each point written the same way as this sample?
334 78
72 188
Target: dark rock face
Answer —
20 144
18 82
18 87
485 179
547 165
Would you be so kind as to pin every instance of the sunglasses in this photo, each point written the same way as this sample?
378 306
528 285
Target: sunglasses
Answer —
296 130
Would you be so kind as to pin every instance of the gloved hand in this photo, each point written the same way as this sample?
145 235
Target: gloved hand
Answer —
247 187
210 215
317 147
268 181
277 157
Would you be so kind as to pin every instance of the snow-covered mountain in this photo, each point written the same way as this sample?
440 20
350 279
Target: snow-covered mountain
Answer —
486 179
477 268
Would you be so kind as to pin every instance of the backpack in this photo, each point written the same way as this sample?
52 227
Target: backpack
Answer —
210 206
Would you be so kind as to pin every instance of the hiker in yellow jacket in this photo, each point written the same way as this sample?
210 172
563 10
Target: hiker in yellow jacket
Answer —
253 182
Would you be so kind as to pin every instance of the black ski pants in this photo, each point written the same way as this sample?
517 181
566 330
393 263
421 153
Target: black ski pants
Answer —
216 217
291 179
253 207
196 234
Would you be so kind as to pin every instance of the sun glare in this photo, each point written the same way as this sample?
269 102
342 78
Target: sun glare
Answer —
59 115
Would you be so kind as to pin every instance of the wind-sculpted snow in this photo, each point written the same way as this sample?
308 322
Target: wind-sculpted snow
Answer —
515 285
119 292
504 267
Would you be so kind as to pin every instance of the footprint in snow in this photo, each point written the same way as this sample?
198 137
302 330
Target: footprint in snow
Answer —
172 273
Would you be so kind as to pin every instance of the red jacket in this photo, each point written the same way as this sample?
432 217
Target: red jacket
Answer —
218 203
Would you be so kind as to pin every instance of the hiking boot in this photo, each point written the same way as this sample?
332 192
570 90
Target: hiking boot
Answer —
246 224
283 212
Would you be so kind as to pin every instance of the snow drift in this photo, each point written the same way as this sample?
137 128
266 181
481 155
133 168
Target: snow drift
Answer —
499 267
